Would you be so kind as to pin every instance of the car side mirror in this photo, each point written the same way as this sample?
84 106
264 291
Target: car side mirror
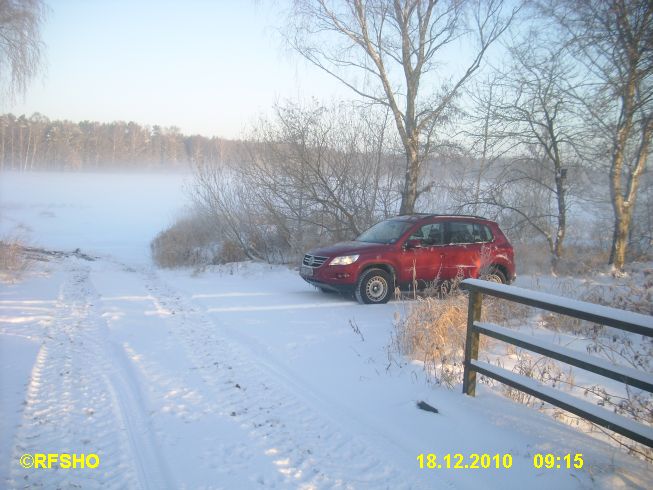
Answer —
413 243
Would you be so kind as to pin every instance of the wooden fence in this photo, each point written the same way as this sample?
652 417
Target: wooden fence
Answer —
620 319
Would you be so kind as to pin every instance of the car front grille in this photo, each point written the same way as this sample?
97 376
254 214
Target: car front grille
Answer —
313 260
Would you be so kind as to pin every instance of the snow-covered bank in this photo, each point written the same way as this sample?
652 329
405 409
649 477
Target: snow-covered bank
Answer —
242 376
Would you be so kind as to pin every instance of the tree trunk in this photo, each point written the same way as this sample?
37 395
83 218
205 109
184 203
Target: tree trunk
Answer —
2 145
624 203
620 241
409 195
29 141
562 219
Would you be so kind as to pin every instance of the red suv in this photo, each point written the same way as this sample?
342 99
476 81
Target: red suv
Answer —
414 251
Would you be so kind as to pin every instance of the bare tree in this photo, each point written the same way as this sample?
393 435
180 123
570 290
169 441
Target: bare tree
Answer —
396 49
613 40
327 167
309 175
528 117
20 43
223 198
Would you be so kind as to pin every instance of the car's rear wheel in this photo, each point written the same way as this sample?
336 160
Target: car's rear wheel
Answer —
495 275
373 287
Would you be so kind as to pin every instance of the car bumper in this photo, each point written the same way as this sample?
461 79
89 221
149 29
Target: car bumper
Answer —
336 278
345 289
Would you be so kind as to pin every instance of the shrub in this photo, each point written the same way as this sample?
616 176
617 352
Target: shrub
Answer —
578 259
583 260
230 251
190 242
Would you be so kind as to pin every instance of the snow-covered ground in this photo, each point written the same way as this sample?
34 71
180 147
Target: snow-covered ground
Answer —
242 376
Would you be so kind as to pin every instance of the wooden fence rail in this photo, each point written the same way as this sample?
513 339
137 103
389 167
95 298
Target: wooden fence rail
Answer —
620 319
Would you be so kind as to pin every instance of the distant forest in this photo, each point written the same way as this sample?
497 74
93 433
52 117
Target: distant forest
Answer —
38 143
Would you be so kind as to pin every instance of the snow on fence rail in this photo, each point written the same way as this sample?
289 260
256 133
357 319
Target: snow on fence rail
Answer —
603 315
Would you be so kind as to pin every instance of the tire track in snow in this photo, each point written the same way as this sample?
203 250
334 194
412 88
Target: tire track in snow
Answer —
307 447
82 399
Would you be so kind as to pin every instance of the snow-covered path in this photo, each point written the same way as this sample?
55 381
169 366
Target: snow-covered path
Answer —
133 371
265 407
246 378
82 395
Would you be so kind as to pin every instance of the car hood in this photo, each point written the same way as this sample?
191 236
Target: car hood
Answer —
348 248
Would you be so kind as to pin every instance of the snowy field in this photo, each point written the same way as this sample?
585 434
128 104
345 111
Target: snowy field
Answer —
239 377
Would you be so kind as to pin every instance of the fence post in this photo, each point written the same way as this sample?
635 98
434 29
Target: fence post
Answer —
471 341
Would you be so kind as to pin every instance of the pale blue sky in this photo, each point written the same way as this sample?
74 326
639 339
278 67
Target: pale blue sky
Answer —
208 67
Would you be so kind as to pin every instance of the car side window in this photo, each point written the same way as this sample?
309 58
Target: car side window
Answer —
469 233
485 234
461 232
431 234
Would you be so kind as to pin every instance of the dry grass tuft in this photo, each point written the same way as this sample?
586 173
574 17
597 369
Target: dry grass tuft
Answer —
193 241
13 261
434 330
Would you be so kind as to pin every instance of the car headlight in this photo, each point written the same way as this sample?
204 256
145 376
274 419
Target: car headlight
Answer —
344 260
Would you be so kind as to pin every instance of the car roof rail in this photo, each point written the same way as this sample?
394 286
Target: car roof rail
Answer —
446 215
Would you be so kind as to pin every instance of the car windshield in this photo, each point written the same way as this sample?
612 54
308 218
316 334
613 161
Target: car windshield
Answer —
385 232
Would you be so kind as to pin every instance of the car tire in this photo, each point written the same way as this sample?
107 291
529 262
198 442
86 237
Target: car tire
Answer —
495 275
374 287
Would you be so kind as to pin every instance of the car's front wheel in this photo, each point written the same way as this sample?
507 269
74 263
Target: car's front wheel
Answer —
373 287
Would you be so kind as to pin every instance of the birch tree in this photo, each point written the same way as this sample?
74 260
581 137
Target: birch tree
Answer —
527 115
613 40
392 53
20 44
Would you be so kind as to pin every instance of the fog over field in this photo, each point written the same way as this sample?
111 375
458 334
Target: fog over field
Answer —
98 212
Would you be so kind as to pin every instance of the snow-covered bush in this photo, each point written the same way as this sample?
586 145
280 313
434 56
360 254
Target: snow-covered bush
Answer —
309 175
